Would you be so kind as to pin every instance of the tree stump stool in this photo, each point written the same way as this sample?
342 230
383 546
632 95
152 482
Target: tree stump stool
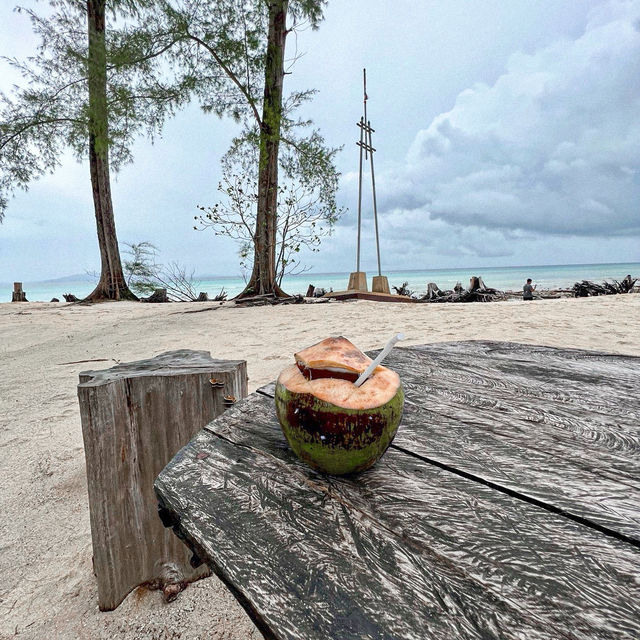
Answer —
135 418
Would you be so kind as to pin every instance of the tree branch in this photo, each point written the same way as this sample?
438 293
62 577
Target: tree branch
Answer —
36 123
232 76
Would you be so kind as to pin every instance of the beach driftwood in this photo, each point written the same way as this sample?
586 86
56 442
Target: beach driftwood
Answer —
403 289
18 294
159 295
69 297
433 291
135 418
477 292
587 288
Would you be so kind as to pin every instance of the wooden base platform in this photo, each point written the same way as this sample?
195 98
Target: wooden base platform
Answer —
368 295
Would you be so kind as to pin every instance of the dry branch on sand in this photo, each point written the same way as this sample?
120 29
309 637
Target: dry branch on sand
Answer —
587 288
477 292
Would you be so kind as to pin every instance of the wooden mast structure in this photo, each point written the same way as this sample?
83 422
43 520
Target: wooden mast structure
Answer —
358 279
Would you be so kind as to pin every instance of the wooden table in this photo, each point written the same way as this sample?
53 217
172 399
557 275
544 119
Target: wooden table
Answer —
508 506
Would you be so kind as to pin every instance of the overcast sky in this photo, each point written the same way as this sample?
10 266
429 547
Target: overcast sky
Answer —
507 133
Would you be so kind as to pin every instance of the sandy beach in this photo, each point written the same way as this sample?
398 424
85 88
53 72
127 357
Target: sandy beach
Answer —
47 588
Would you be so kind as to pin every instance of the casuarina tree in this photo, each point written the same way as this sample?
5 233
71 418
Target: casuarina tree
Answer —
233 54
81 92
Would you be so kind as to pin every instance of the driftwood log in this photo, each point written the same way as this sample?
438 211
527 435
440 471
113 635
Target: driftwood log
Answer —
433 291
135 417
159 295
203 297
69 297
403 289
18 294
587 288
477 292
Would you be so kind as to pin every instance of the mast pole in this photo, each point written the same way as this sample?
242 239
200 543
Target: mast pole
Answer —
373 187
360 194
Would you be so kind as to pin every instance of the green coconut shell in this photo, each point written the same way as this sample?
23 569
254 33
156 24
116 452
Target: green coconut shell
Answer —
333 438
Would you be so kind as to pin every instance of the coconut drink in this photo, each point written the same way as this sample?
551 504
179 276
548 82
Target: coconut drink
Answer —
338 409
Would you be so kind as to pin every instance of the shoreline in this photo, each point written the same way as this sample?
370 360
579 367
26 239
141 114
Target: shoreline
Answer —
549 277
45 556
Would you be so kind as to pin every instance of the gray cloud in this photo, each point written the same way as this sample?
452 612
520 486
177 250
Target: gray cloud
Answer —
550 147
536 162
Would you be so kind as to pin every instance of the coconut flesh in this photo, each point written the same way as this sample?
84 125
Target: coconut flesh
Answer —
330 423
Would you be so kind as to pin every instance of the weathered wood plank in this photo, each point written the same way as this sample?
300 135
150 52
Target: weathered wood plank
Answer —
405 550
135 417
556 426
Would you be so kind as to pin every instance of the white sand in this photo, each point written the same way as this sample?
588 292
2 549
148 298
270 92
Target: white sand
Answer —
47 588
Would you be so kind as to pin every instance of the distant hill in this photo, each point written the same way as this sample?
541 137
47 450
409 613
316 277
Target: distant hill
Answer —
77 277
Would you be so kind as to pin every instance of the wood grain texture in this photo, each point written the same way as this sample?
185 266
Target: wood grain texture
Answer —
135 417
408 549
558 426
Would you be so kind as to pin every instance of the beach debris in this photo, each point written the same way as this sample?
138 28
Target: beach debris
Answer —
477 292
159 295
403 290
171 581
331 424
220 297
69 297
458 288
55 300
587 288
18 294
269 298
203 296
91 360
310 291
433 291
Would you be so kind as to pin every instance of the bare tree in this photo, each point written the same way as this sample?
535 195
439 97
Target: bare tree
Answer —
303 215
144 274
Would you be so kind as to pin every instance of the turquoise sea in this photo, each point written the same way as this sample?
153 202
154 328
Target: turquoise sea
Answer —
503 278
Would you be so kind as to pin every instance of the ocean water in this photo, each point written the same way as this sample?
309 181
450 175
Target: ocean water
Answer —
503 278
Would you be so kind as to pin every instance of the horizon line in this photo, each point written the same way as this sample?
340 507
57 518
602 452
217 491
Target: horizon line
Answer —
86 277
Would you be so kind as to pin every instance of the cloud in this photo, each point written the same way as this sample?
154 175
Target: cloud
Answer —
552 147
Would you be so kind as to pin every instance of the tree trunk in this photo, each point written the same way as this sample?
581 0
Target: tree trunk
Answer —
263 277
112 284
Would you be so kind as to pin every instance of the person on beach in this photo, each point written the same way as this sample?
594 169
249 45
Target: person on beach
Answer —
528 289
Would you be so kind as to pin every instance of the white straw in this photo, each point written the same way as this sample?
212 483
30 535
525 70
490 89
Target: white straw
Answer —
381 356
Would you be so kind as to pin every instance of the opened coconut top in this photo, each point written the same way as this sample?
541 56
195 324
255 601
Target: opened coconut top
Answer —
327 370
332 358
